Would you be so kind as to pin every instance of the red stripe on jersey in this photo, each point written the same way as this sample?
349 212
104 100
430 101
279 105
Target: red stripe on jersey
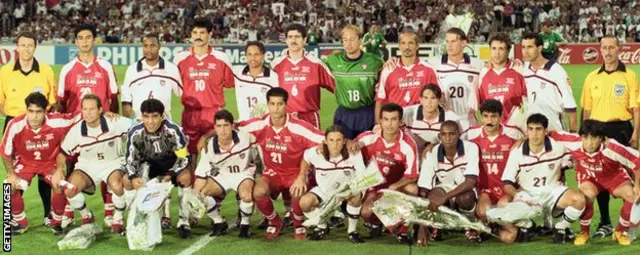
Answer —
624 152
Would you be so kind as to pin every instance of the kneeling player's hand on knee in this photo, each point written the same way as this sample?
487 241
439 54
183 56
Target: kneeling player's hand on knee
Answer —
436 202
13 180
137 183
298 188
56 178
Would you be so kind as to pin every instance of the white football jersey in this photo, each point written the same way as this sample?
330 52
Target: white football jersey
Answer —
422 130
331 175
142 82
99 144
238 159
532 171
437 169
548 93
459 85
251 92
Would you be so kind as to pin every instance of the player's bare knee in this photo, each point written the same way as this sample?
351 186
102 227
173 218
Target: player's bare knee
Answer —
307 202
246 191
411 189
355 201
576 199
466 201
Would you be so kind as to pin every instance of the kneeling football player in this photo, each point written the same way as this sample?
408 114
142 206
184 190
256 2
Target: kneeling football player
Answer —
160 145
227 164
333 167
600 165
98 143
449 174
536 167
396 154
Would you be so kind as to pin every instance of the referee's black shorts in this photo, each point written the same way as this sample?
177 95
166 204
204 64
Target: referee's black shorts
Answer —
621 131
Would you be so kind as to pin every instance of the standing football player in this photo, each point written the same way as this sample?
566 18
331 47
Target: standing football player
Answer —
500 81
87 74
150 77
302 75
459 77
548 90
253 81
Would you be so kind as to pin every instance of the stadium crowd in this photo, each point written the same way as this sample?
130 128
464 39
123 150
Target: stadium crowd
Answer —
122 21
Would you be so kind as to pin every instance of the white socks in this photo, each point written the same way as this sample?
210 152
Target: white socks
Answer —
353 214
77 202
246 209
571 214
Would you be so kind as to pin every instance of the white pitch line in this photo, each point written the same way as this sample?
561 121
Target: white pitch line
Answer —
198 245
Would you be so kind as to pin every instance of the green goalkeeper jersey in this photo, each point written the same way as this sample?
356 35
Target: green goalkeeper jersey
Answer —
355 78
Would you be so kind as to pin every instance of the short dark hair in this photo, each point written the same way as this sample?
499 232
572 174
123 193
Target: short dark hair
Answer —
296 27
93 97
257 44
28 35
457 31
223 115
451 124
492 106
538 118
344 151
152 105
501 37
610 36
203 23
83 27
434 88
391 107
535 37
152 36
278 92
38 99
592 128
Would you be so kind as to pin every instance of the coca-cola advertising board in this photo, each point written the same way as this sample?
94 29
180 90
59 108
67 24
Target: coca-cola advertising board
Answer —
589 53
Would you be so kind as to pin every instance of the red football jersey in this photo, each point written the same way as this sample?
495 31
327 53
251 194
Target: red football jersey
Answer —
78 79
493 153
282 150
395 160
303 79
604 164
402 84
203 78
36 149
506 86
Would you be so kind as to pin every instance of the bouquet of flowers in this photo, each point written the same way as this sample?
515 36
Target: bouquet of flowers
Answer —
143 223
80 237
395 208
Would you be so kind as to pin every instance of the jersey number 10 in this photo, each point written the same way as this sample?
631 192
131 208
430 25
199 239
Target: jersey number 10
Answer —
200 85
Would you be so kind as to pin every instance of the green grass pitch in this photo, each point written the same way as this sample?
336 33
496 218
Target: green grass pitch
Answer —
39 239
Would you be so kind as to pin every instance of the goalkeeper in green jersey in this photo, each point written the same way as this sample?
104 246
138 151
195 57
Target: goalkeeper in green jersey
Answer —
356 75
374 40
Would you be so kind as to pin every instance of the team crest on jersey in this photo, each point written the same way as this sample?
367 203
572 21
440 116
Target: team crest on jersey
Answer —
619 89
264 90
364 67
242 155
510 81
38 89
397 157
111 143
347 173
420 74
287 139
552 166
49 137
470 78
211 66
306 69
162 82
98 75
505 147
543 85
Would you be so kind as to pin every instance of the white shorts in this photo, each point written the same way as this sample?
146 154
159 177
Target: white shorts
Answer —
547 197
99 172
322 195
232 181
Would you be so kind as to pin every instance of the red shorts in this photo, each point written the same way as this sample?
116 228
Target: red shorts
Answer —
27 173
494 194
608 183
311 117
196 123
277 184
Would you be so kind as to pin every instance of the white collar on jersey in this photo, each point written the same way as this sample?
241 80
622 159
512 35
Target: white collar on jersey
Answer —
142 64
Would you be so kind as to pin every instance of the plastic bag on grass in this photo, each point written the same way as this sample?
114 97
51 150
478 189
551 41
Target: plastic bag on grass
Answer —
143 223
80 237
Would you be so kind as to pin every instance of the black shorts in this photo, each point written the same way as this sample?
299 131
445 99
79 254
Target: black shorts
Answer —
621 131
